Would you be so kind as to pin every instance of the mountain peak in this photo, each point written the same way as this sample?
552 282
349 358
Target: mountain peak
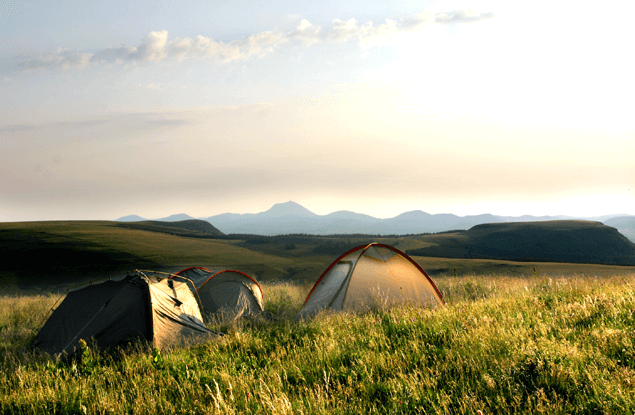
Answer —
130 218
413 214
289 208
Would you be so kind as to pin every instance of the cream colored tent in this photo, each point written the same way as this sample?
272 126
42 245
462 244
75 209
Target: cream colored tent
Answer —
368 276
230 294
159 310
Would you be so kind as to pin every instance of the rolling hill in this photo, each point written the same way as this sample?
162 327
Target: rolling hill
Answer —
53 254
56 253
62 252
552 241
193 228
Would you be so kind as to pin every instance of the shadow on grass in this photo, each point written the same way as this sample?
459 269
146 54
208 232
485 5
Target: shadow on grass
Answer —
36 258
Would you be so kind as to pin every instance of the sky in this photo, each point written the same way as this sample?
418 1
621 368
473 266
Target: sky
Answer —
157 107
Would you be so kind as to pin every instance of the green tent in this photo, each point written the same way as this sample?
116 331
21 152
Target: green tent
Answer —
159 310
229 293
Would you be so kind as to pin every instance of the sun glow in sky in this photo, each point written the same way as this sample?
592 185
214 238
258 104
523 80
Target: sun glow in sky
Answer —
154 108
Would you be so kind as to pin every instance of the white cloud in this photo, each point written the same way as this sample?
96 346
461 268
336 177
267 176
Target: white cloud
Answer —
370 35
461 16
156 46
257 44
306 32
344 30
113 55
152 49
61 58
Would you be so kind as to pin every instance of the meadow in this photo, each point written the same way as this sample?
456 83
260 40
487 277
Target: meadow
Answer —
544 344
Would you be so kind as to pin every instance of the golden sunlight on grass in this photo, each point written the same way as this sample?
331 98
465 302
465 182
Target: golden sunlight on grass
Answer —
502 345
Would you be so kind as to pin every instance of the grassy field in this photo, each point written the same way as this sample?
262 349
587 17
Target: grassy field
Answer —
504 344
515 337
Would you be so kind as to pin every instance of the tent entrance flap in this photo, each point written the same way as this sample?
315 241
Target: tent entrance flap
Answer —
343 267
229 293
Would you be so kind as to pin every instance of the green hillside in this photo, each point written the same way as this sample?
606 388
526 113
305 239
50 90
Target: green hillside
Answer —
193 228
553 241
61 252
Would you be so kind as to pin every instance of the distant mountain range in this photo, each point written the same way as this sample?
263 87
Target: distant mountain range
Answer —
290 218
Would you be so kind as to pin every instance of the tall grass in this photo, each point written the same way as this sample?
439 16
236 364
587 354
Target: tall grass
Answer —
502 345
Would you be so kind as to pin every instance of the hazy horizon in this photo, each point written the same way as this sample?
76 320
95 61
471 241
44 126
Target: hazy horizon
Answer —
156 108
343 210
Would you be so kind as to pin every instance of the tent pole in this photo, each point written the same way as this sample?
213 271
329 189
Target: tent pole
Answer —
83 328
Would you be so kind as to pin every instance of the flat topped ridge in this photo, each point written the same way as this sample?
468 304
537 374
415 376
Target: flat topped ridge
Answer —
577 241
565 225
192 225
